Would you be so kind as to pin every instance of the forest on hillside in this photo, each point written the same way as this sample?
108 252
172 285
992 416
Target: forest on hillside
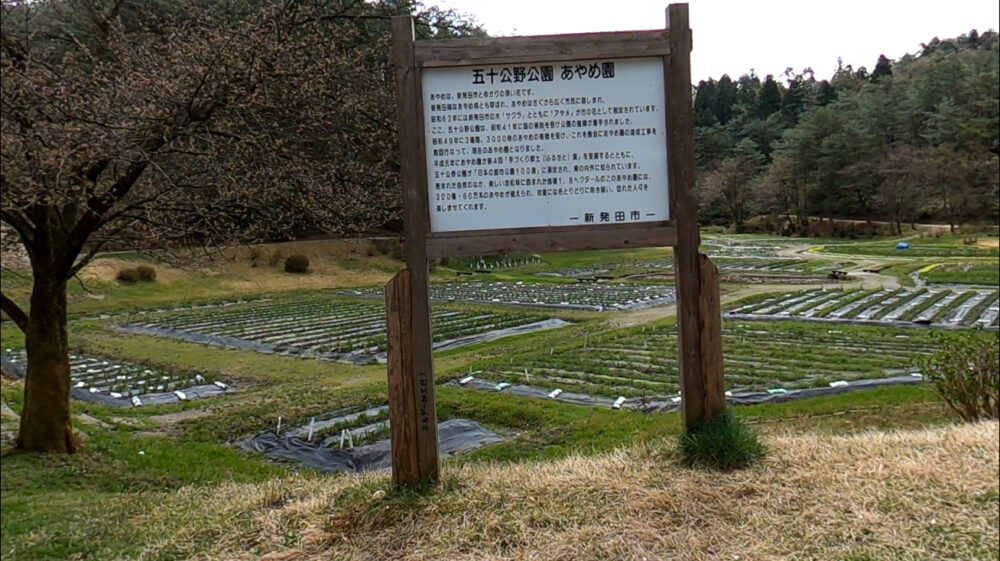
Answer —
916 139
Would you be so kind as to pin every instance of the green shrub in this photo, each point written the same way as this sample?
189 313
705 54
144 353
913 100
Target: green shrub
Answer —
297 263
965 372
146 273
723 442
127 275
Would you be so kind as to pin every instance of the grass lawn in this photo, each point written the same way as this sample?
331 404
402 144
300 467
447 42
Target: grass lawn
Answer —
173 496
965 273
852 476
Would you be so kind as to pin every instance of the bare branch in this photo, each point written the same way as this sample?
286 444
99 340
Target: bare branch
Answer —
15 312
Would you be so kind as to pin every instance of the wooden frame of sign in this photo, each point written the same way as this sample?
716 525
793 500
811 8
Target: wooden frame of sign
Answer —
410 366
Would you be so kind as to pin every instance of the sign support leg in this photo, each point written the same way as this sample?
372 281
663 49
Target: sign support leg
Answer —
698 315
411 366
411 396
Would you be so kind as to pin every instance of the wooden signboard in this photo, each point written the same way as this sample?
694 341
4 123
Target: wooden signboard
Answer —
536 144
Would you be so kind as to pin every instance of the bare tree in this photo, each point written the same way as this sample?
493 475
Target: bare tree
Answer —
181 123
731 186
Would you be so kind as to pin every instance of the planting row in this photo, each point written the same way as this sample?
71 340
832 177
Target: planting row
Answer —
760 265
113 382
484 264
583 296
317 326
774 356
943 307
782 266
747 247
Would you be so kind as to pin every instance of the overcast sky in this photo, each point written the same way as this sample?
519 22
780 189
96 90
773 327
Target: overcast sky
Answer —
733 36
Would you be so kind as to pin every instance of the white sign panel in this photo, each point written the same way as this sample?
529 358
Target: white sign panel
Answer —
545 144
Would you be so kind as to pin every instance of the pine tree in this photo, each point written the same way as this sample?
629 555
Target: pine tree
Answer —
770 98
882 68
825 94
725 99
704 103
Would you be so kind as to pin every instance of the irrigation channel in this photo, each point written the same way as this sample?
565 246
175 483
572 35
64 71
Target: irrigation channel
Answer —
123 384
333 329
953 307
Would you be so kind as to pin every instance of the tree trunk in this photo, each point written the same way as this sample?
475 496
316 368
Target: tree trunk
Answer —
46 425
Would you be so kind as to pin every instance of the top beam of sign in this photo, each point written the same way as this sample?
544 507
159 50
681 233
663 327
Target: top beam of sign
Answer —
501 50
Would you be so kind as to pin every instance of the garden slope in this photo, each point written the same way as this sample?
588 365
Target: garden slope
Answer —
927 494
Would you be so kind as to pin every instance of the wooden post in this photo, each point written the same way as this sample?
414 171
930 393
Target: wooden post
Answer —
710 311
402 393
702 396
415 361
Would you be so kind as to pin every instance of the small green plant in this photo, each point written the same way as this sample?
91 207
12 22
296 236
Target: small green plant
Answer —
146 273
965 372
724 443
297 263
127 275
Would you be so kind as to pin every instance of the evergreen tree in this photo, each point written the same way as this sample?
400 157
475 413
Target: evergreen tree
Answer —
725 99
748 91
825 93
704 104
794 100
883 68
770 98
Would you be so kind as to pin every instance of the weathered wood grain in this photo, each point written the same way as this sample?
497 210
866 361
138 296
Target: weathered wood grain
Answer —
416 224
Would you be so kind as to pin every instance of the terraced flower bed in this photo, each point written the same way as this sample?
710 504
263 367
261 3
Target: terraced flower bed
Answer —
762 266
114 382
957 307
642 362
782 266
483 264
584 296
748 247
322 327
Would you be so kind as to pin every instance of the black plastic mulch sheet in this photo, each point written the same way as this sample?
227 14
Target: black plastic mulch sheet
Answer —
193 392
454 436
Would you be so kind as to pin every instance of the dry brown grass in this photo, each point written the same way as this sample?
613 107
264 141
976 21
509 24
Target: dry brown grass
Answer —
105 269
326 264
256 269
928 494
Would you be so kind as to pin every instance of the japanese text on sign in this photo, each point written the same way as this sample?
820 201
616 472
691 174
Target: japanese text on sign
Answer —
545 144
